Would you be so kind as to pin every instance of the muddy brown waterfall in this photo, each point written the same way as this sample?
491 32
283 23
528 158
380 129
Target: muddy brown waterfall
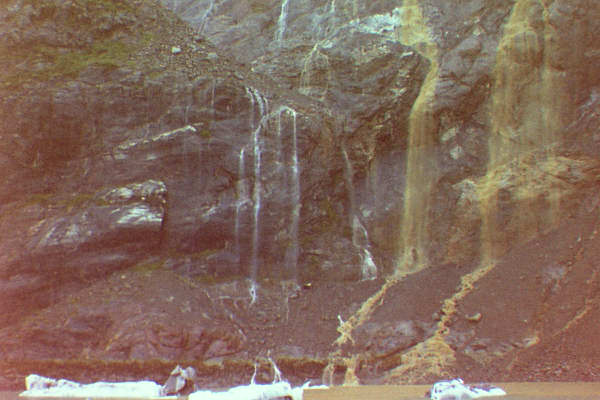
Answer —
528 116
421 168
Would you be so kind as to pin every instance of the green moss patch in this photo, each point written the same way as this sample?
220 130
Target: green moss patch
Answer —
46 63
108 34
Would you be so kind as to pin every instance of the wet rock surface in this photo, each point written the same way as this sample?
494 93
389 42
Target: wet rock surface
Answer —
411 186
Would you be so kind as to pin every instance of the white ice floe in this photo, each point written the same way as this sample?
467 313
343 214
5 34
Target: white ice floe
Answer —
39 386
457 390
276 390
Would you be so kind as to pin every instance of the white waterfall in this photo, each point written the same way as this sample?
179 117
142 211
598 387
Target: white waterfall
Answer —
263 105
208 12
349 177
257 192
252 290
242 199
291 176
360 236
295 196
360 240
295 188
305 74
368 267
256 197
282 21
256 99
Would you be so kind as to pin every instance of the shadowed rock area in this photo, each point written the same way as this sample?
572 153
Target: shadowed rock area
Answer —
362 192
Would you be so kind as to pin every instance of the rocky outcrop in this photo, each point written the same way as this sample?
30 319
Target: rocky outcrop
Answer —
76 239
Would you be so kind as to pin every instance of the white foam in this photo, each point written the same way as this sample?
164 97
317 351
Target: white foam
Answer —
457 390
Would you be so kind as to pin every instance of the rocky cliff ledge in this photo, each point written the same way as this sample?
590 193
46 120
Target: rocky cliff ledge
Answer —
386 191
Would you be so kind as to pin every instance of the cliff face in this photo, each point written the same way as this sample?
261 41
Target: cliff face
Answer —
493 81
204 167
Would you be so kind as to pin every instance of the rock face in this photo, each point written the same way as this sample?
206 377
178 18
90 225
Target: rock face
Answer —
415 91
276 142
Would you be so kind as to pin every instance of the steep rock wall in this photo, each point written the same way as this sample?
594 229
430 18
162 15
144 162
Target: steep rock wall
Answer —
313 141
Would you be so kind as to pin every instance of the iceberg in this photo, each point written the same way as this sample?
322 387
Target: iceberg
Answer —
39 386
456 389
273 391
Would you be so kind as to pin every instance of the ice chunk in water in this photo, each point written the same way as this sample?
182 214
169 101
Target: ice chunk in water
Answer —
39 386
457 390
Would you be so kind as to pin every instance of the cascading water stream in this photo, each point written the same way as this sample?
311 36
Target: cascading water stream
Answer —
282 21
528 116
256 98
348 176
527 107
208 12
295 196
257 193
292 262
258 101
409 28
256 197
242 199
360 236
360 240
421 168
316 65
